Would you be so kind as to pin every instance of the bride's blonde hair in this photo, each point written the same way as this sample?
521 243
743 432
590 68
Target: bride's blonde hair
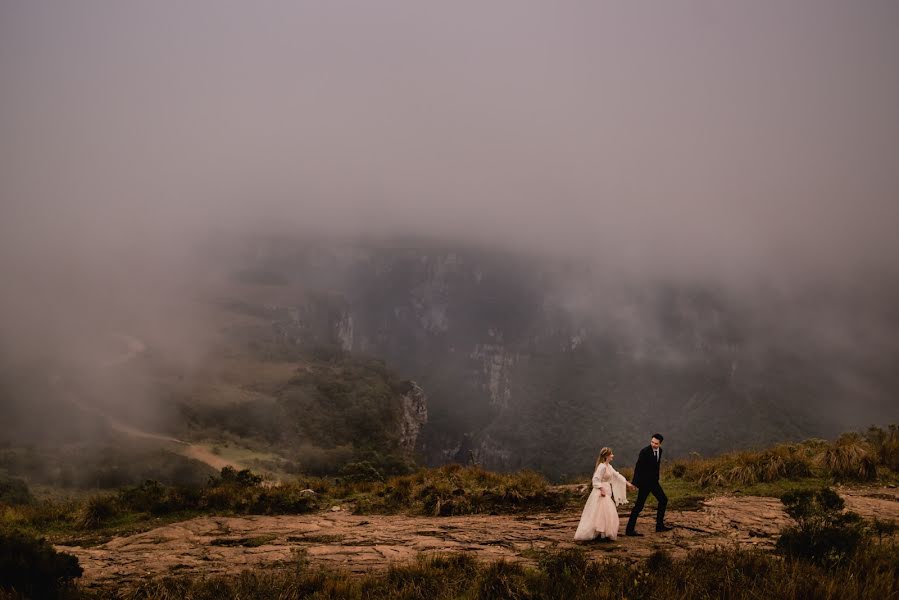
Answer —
603 455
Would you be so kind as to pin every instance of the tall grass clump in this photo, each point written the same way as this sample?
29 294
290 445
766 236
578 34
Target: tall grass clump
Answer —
850 458
97 511
885 445
457 490
746 468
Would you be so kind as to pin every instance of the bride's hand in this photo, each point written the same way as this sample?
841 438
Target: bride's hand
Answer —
602 492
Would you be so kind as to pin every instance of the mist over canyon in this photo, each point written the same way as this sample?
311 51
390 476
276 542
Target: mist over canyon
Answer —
570 226
534 362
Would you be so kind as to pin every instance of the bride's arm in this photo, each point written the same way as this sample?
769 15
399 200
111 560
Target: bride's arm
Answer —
621 478
598 477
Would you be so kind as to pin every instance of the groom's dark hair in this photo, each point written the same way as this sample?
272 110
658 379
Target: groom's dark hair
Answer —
658 436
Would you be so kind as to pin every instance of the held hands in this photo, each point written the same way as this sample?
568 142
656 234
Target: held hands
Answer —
630 486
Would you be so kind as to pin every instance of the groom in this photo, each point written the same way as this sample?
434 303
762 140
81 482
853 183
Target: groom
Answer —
646 478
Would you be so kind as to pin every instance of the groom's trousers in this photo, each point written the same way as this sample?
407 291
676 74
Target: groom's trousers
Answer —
642 494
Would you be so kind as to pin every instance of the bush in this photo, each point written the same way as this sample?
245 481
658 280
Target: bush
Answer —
361 471
31 566
96 511
883 528
824 534
230 476
147 497
14 492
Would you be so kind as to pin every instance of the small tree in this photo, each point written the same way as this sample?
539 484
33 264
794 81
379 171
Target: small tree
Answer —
824 534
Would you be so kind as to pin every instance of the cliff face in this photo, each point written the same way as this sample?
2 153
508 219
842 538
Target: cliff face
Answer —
414 417
538 363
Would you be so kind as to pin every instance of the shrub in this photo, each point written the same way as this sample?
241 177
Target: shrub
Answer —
283 500
14 492
883 528
361 471
678 469
230 476
659 562
824 534
95 511
31 566
147 497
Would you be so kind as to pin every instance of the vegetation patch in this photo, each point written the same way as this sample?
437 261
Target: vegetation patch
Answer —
853 457
457 490
14 492
870 572
823 533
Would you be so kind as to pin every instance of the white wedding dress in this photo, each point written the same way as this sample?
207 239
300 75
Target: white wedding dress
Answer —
600 516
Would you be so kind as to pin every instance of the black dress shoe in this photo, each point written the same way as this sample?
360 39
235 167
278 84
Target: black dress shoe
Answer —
662 528
633 534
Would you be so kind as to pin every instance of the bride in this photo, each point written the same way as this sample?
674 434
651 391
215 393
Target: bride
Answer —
600 516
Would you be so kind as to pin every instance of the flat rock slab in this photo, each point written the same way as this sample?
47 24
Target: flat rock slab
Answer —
361 543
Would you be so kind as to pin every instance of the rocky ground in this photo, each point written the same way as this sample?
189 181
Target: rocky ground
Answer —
359 543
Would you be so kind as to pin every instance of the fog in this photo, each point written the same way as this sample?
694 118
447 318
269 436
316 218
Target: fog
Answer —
752 145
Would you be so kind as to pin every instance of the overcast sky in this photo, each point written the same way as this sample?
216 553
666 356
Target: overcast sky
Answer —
707 136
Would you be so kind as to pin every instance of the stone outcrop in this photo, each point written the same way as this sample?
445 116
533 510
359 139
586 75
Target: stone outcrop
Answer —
361 543
415 415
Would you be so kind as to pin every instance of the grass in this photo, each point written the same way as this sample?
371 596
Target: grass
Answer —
868 457
151 504
872 573
852 458
451 490
457 490
232 449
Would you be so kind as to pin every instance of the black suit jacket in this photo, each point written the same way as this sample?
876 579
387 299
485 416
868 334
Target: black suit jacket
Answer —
646 473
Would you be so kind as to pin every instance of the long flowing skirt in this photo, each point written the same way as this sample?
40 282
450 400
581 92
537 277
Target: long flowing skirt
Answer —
600 517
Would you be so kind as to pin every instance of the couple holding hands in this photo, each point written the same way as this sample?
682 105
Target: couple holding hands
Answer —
600 516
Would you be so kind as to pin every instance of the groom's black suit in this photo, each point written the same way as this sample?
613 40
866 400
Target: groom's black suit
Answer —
646 478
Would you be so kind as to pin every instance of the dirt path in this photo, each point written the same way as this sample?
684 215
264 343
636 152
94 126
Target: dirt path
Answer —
205 455
210 545
133 349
